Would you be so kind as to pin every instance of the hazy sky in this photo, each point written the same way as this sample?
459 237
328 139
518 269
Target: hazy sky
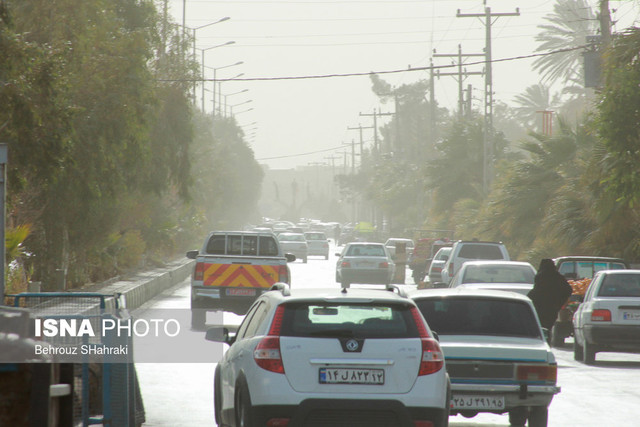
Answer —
276 39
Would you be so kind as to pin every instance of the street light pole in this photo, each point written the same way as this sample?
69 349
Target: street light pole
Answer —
203 51
226 18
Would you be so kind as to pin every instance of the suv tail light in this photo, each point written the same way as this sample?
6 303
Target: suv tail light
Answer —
601 315
432 356
537 373
267 353
198 272
283 274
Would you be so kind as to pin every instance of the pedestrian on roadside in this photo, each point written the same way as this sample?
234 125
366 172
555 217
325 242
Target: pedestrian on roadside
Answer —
550 292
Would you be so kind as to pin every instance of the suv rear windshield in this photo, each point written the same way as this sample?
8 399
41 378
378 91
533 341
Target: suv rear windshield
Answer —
480 251
479 316
586 269
322 319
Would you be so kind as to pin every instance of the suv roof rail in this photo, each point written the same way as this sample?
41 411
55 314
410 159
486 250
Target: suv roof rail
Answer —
281 287
397 289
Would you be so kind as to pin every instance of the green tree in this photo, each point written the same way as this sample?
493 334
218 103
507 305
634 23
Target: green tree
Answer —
567 27
535 98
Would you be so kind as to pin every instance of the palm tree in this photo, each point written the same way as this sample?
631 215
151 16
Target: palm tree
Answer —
568 26
534 99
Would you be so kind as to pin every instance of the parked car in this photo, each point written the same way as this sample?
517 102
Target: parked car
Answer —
578 270
317 243
423 253
294 243
609 317
391 246
364 262
514 276
330 357
471 250
438 261
496 353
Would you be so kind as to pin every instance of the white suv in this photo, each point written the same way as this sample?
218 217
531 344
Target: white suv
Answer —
331 357
462 251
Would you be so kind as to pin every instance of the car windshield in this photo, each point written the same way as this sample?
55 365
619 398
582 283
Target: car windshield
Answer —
620 285
366 250
498 274
291 238
479 316
321 319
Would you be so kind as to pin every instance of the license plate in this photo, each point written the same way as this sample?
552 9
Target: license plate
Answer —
476 402
631 315
239 292
351 376
365 263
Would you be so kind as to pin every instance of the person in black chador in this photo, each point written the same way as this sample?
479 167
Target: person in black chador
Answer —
550 292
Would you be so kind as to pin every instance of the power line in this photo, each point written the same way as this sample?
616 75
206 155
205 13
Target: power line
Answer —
359 74
301 154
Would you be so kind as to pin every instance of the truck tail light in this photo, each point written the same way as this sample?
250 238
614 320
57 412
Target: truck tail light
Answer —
601 315
283 274
432 356
198 272
537 373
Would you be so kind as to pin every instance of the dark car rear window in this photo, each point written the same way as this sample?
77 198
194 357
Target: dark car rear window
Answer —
479 316
480 251
620 285
321 319
366 250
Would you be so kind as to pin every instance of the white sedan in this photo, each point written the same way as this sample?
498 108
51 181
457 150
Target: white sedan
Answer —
609 317
514 276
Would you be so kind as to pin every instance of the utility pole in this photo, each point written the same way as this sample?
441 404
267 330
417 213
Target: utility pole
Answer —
460 75
487 169
605 22
375 116
360 128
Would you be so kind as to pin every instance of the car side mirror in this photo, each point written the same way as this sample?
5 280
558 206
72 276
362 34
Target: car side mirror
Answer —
192 254
338 254
290 257
220 334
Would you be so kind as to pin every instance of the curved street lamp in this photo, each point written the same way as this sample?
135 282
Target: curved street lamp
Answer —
203 51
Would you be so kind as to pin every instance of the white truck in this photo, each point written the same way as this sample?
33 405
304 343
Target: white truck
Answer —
233 268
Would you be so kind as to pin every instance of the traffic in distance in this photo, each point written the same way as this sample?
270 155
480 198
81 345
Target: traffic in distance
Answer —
391 350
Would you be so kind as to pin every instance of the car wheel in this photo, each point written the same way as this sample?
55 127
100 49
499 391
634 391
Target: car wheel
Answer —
538 416
243 407
217 396
518 416
557 335
578 351
589 353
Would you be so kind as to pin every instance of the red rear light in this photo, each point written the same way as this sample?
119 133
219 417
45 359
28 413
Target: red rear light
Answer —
283 274
345 264
601 315
417 317
432 357
451 270
198 272
267 354
278 422
383 265
276 324
423 424
537 373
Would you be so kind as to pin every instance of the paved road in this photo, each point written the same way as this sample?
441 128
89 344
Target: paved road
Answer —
181 394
